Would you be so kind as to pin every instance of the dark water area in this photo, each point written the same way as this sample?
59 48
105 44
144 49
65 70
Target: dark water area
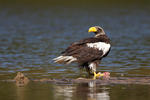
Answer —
32 33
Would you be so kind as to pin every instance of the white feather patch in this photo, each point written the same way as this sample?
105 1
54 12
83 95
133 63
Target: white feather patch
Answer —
100 46
92 66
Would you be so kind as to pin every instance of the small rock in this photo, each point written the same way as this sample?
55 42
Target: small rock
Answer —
21 79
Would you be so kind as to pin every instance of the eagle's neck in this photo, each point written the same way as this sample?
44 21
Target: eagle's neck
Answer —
99 33
103 38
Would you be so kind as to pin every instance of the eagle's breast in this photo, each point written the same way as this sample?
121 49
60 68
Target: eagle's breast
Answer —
100 46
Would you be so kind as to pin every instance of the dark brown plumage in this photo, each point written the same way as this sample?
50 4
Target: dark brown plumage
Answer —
83 53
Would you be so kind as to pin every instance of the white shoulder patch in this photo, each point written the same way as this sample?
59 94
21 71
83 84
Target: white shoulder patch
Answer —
100 46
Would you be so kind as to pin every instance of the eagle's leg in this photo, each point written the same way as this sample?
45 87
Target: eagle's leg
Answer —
92 69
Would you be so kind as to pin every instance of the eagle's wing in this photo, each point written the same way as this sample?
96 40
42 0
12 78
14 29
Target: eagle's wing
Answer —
86 54
79 44
81 52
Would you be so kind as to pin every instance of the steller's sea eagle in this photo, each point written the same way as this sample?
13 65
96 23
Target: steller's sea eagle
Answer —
87 52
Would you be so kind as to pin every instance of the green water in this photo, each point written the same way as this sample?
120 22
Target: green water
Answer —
32 33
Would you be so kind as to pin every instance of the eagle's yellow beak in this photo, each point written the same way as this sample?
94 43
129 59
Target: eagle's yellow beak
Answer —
92 29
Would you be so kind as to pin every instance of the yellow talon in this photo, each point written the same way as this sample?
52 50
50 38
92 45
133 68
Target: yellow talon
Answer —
98 75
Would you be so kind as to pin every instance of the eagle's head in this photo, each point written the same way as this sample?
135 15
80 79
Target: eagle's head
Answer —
97 30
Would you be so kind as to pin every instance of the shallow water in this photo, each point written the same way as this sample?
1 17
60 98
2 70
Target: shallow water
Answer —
32 35
87 91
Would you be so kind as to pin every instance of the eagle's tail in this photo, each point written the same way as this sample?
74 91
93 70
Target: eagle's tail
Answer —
65 59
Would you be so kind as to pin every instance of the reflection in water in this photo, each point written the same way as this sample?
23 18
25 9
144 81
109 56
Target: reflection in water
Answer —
64 91
83 91
94 95
20 92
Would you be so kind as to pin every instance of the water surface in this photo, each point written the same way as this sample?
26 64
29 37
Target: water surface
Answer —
32 35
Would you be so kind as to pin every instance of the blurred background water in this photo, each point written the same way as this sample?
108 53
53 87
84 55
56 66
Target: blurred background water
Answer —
33 32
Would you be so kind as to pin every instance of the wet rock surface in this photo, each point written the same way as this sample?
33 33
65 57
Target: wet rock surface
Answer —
22 80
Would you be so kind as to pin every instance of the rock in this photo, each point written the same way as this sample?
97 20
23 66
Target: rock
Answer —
21 79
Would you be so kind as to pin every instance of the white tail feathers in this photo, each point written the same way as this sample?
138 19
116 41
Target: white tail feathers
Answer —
64 59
